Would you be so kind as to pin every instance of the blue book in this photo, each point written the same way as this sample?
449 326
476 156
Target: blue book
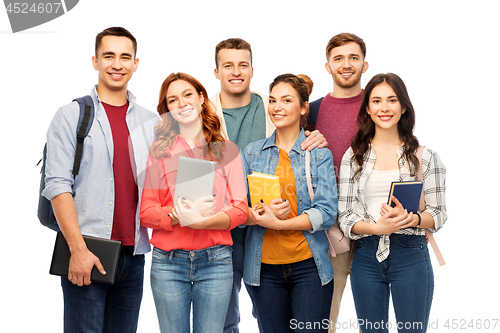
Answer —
408 193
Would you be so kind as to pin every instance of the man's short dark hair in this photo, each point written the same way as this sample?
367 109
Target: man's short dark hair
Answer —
115 31
342 39
232 44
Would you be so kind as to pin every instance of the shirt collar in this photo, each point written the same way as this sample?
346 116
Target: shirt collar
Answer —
270 142
95 97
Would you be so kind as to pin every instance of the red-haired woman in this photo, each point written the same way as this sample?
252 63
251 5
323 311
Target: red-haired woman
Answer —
192 262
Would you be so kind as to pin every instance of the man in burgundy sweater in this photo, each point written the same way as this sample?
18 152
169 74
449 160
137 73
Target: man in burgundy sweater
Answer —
336 120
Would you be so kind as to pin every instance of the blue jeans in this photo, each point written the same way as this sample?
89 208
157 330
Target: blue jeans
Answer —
290 298
202 278
106 308
406 274
233 311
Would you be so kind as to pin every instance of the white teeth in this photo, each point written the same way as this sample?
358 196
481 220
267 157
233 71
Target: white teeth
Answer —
236 81
185 111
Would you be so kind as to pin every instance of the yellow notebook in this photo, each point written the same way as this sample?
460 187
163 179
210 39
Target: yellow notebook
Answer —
263 186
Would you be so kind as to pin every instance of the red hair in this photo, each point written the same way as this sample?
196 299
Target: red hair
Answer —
168 129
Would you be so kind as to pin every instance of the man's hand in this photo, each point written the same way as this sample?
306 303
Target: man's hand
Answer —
82 260
80 267
314 139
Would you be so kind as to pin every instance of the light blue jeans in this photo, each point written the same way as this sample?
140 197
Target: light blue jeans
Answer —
406 275
203 278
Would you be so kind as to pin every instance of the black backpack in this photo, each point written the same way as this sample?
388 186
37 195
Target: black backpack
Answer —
45 212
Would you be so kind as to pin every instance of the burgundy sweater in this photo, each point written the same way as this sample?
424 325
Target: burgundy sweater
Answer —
337 121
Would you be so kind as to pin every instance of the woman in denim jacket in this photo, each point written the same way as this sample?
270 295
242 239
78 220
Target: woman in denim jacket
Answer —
286 257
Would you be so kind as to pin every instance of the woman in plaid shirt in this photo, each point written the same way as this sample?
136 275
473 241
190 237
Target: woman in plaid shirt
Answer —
391 255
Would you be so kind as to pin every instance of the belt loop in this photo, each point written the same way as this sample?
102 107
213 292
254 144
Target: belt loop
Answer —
209 256
171 255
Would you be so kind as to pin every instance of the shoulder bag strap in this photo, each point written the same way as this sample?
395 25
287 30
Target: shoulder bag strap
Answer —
308 175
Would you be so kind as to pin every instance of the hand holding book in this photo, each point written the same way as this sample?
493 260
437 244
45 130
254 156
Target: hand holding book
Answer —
263 187
187 213
408 194
393 218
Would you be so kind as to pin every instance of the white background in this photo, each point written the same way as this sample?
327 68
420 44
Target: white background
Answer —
445 51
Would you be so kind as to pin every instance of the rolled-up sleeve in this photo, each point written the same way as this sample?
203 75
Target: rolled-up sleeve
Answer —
154 212
61 144
323 210
434 173
348 200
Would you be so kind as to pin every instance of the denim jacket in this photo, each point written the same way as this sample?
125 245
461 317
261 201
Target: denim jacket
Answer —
93 188
262 156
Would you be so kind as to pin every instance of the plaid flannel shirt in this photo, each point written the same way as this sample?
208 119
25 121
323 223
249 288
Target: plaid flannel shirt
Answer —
352 205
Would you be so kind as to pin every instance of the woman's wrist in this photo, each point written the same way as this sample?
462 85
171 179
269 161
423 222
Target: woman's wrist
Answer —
419 219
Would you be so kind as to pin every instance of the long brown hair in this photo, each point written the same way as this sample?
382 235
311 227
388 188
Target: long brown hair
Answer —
366 127
168 129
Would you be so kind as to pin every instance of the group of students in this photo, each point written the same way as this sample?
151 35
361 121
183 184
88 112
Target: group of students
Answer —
202 249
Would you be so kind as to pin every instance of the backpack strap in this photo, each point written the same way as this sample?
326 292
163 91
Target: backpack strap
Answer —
84 124
313 114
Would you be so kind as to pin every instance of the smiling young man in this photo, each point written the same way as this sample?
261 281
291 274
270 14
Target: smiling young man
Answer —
336 118
244 119
103 199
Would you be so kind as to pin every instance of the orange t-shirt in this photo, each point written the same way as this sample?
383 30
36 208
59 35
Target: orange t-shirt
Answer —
285 246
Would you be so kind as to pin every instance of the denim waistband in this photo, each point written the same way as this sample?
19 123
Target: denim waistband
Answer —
195 254
391 237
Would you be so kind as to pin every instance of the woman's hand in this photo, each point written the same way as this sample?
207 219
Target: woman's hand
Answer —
264 216
280 208
398 208
206 205
187 213
394 219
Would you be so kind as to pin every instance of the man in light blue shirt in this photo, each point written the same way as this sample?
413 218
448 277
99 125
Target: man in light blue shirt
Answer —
97 202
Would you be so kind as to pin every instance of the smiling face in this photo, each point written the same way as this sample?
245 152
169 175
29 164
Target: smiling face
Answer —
184 102
115 61
234 71
284 107
384 107
346 65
